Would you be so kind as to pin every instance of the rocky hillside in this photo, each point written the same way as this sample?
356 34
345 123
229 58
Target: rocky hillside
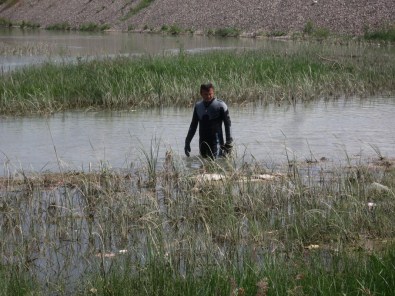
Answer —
339 16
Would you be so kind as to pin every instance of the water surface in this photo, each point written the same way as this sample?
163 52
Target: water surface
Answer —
20 48
334 129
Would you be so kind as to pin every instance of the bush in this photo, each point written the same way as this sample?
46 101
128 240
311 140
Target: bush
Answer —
227 32
384 34
308 28
277 34
91 27
59 27
175 30
29 25
314 31
5 23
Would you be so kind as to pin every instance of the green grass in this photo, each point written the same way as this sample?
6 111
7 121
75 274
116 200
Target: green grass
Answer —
172 30
187 236
383 34
16 281
338 274
227 32
59 27
142 4
5 23
9 3
270 76
316 32
29 25
93 27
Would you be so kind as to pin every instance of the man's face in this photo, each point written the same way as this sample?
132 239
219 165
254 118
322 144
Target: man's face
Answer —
207 95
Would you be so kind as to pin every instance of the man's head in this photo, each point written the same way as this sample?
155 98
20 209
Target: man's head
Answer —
207 92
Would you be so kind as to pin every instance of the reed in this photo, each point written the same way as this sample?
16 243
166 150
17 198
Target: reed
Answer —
271 75
187 234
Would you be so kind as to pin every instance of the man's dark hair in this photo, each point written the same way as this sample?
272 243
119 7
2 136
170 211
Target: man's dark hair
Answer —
206 87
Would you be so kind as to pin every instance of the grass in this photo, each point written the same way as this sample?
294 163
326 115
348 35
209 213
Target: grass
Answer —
59 27
226 32
279 75
314 31
384 34
142 4
347 274
5 23
172 30
93 27
85 27
185 235
9 3
28 25
16 281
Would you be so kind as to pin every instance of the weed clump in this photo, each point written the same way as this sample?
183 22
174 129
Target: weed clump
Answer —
64 26
386 33
227 32
312 30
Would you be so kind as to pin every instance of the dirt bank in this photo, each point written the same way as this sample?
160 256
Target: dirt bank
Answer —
339 16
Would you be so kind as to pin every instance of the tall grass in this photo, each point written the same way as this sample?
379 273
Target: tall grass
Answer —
285 75
383 34
14 280
296 234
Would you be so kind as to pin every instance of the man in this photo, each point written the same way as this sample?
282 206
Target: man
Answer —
209 114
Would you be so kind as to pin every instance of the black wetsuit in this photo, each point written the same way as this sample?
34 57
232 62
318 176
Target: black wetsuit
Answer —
209 116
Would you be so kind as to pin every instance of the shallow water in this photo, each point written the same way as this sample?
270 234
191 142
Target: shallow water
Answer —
334 129
20 48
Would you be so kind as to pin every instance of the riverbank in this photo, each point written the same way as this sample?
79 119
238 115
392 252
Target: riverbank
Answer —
303 72
252 17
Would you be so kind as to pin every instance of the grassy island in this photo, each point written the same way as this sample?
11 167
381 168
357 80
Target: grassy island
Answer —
302 72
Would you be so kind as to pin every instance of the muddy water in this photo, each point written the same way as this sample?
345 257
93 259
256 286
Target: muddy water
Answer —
20 48
334 129
50 226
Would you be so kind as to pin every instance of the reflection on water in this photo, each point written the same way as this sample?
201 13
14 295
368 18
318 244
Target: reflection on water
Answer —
335 129
19 48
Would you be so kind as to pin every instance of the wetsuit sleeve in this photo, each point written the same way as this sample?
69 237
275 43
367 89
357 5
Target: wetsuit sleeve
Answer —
192 127
227 124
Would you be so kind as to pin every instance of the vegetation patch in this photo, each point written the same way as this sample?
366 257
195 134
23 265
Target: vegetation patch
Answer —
5 23
172 29
276 34
385 34
317 32
272 75
8 3
174 232
93 27
29 25
227 32
136 9
64 26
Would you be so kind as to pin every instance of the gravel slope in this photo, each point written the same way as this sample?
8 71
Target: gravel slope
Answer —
340 16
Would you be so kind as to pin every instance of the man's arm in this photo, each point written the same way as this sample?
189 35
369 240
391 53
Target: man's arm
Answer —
227 147
192 127
227 124
191 132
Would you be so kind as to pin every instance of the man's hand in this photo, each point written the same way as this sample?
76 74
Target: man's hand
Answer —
187 149
227 147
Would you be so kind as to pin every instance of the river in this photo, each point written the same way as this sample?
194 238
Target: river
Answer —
335 129
20 48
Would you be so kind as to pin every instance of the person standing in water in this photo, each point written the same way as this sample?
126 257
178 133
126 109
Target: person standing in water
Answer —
209 114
